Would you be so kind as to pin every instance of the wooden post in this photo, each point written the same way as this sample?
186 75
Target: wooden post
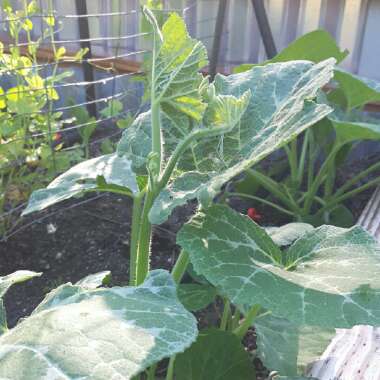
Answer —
88 72
217 37
264 27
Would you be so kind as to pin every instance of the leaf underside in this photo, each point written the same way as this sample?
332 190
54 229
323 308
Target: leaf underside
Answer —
115 171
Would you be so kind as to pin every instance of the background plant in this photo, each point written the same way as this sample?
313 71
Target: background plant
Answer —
309 192
30 151
196 137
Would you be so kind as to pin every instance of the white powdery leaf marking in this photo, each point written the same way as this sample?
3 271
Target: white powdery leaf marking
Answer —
315 290
99 333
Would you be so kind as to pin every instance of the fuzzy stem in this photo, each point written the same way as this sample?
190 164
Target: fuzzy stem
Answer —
318 180
170 372
226 314
142 267
274 188
247 323
180 266
268 203
134 243
355 179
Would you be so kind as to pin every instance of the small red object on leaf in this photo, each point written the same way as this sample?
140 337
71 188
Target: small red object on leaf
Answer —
57 137
253 214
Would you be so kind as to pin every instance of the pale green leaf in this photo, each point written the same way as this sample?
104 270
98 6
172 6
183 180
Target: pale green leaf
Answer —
358 91
288 233
279 109
347 131
315 46
174 77
196 296
5 283
19 276
93 281
99 334
216 355
116 174
238 257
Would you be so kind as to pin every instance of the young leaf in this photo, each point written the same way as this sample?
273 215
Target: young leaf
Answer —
100 333
358 91
216 355
196 296
115 171
315 46
236 256
19 276
5 283
278 110
288 233
174 74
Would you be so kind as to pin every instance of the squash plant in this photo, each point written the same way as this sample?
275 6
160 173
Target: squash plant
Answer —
309 193
195 137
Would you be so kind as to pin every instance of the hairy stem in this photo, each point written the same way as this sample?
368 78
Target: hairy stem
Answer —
357 178
274 188
247 323
318 180
336 200
255 198
226 314
134 243
180 266
301 164
170 372
143 255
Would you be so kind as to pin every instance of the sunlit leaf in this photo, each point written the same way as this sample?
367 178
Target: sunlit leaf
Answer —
99 333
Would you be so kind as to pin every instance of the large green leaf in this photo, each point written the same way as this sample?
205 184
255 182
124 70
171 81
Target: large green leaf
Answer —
279 109
5 283
304 286
358 91
99 333
104 173
315 46
216 355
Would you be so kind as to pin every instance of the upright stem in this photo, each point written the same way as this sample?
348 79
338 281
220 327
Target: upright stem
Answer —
135 229
142 264
180 266
247 323
301 164
226 314
156 133
170 372
312 192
